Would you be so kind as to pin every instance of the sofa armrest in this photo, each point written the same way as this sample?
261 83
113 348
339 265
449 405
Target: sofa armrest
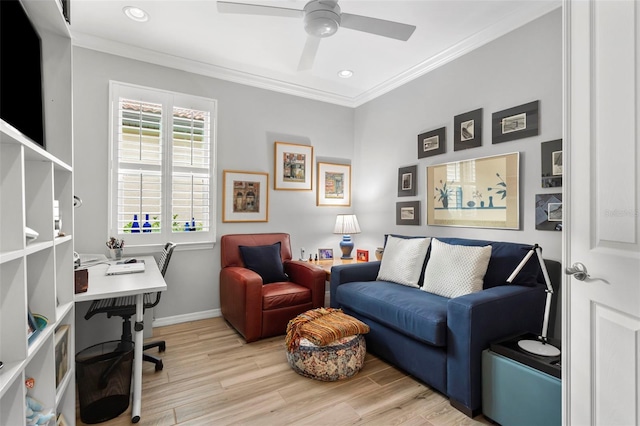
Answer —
241 300
310 276
351 272
474 321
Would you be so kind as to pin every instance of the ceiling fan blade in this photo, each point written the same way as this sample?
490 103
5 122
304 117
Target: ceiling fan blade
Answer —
309 53
377 26
256 9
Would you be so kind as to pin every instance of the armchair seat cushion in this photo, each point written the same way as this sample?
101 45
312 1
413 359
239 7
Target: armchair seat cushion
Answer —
283 295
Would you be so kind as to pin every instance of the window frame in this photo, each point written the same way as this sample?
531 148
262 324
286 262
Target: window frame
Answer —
140 243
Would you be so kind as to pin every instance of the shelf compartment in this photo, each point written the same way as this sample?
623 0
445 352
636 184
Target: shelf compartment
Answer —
39 198
12 402
13 311
41 283
11 197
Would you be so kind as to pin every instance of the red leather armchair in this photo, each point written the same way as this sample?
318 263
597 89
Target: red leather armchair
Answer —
260 310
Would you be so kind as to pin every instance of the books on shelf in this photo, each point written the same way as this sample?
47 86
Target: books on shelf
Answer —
62 352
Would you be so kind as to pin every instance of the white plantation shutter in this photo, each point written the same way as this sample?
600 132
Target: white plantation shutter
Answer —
162 166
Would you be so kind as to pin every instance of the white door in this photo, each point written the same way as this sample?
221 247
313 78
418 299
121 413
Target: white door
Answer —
601 359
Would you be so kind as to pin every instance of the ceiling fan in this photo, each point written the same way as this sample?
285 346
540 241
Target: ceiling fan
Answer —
321 19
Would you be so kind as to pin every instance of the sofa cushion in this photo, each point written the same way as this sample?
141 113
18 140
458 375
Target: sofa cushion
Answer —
284 295
265 261
415 313
455 270
403 259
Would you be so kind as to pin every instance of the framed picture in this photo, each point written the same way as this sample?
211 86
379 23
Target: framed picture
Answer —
408 213
549 212
551 163
362 255
515 123
325 254
246 196
481 193
61 352
293 166
334 184
432 143
467 130
407 181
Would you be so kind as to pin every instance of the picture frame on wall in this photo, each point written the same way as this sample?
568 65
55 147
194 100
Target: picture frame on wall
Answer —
408 213
293 169
432 143
551 164
514 123
484 194
334 184
325 254
467 130
549 212
245 196
407 181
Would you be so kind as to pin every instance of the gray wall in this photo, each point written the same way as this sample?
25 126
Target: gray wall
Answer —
377 138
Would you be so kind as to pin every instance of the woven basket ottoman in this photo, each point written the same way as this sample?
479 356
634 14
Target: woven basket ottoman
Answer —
337 360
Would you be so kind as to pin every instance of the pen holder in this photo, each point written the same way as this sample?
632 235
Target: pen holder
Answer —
116 254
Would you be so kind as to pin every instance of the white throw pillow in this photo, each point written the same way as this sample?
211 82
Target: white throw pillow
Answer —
403 260
454 270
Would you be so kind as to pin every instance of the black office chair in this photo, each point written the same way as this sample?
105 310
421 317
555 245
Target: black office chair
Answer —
125 307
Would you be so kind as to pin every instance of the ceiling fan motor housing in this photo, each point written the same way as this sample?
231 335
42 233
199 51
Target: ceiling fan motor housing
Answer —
321 18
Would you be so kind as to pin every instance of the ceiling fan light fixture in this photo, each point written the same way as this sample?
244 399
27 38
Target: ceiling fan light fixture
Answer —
135 13
321 23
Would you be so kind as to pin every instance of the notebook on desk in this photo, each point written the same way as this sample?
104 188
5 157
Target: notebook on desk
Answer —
125 268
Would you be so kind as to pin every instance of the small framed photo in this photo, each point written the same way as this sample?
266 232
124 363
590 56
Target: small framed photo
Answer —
325 254
293 168
467 130
362 255
407 181
549 212
334 185
246 196
62 352
551 176
432 143
515 123
408 213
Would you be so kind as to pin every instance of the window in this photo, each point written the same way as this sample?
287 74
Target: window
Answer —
162 185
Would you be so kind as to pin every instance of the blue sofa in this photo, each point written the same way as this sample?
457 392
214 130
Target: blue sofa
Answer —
440 340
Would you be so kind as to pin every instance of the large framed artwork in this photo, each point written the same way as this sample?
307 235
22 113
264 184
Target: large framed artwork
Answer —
293 166
551 163
407 181
408 213
432 143
467 130
481 193
515 123
549 212
245 197
334 185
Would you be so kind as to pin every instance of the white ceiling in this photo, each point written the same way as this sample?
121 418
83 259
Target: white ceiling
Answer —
264 51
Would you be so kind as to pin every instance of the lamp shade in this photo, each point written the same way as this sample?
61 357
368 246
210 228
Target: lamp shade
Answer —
346 224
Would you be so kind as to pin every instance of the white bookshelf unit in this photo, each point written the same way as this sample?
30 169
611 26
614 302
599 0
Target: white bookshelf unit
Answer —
38 275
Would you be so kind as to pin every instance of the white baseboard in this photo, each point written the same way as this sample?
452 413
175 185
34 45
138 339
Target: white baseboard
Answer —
194 316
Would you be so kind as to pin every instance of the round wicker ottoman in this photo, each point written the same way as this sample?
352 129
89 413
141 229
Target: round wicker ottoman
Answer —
338 360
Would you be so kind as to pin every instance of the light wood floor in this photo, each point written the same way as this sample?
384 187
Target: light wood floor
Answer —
212 377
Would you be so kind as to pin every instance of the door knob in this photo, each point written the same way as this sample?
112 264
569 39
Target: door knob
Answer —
578 270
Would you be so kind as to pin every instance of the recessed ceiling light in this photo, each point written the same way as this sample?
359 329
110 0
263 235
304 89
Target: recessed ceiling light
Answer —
136 14
345 73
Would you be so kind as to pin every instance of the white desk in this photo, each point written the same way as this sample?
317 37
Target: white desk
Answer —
102 286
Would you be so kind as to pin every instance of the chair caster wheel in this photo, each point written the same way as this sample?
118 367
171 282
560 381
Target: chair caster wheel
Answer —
159 366
162 347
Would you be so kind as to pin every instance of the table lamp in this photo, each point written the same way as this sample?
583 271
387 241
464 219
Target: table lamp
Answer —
346 224
541 346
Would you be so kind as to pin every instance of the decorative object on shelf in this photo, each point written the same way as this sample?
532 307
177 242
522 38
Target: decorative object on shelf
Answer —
293 168
77 201
115 247
541 346
135 226
245 196
515 123
407 181
346 224
467 130
408 213
551 163
36 413
30 234
334 185
483 194
362 255
61 352
432 143
549 212
146 226
325 254
379 252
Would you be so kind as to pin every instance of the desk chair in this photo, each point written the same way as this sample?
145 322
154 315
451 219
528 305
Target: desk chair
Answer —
125 307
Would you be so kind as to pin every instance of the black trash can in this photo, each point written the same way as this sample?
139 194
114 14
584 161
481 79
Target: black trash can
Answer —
103 375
